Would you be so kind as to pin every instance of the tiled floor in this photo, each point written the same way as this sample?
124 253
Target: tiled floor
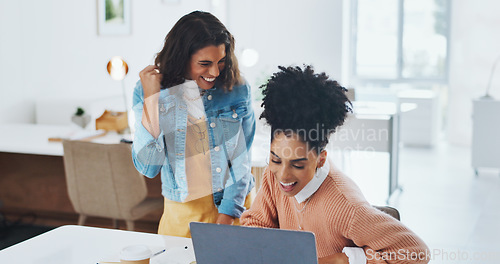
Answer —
456 213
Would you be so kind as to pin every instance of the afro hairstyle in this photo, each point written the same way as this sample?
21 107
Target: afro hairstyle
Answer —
306 103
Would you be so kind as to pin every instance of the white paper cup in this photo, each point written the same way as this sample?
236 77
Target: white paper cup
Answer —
135 254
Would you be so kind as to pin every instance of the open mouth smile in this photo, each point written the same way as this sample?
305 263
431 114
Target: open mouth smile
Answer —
208 79
287 187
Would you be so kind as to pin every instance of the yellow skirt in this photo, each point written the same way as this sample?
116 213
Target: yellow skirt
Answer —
177 216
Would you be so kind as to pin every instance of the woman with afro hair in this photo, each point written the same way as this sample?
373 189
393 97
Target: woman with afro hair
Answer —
302 190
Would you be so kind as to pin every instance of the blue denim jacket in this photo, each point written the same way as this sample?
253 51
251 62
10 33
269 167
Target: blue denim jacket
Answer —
231 128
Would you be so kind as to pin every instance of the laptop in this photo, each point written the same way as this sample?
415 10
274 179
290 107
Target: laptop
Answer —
229 244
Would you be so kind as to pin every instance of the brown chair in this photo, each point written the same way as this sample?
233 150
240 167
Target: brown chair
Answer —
102 181
390 211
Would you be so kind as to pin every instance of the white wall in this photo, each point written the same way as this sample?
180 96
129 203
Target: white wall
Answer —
52 47
475 43
287 33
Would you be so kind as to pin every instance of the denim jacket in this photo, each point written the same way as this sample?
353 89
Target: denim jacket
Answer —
231 128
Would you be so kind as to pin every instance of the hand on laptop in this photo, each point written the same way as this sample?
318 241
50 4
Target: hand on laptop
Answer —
225 219
338 258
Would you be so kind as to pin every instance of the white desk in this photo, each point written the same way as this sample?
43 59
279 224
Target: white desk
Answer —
374 126
33 138
81 244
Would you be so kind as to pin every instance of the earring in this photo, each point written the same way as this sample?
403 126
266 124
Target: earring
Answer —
320 165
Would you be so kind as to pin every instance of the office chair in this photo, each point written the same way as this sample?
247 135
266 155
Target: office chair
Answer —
102 181
390 211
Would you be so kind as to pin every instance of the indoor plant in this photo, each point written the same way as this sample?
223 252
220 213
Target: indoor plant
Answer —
80 117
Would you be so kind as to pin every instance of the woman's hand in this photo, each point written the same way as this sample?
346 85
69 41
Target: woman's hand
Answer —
225 219
337 258
151 80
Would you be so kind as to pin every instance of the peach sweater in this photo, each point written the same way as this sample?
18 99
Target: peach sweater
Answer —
339 216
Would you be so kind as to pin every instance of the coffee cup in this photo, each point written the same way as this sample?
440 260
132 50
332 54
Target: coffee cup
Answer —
135 254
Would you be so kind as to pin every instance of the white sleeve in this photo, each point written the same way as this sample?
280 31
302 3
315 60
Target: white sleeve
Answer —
356 255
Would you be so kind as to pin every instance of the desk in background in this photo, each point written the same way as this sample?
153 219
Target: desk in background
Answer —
34 138
80 244
32 177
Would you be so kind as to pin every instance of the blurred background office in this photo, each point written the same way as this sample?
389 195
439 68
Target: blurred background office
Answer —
54 47
437 54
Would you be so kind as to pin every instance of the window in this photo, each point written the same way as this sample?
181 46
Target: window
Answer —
399 41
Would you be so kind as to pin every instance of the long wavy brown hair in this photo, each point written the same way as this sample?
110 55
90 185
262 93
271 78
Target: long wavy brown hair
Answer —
191 33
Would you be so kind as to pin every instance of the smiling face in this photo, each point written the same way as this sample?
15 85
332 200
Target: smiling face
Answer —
206 64
292 163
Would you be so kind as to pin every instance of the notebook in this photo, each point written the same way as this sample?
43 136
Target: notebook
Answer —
215 243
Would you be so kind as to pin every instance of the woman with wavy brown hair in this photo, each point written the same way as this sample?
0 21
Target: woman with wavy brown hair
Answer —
195 125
